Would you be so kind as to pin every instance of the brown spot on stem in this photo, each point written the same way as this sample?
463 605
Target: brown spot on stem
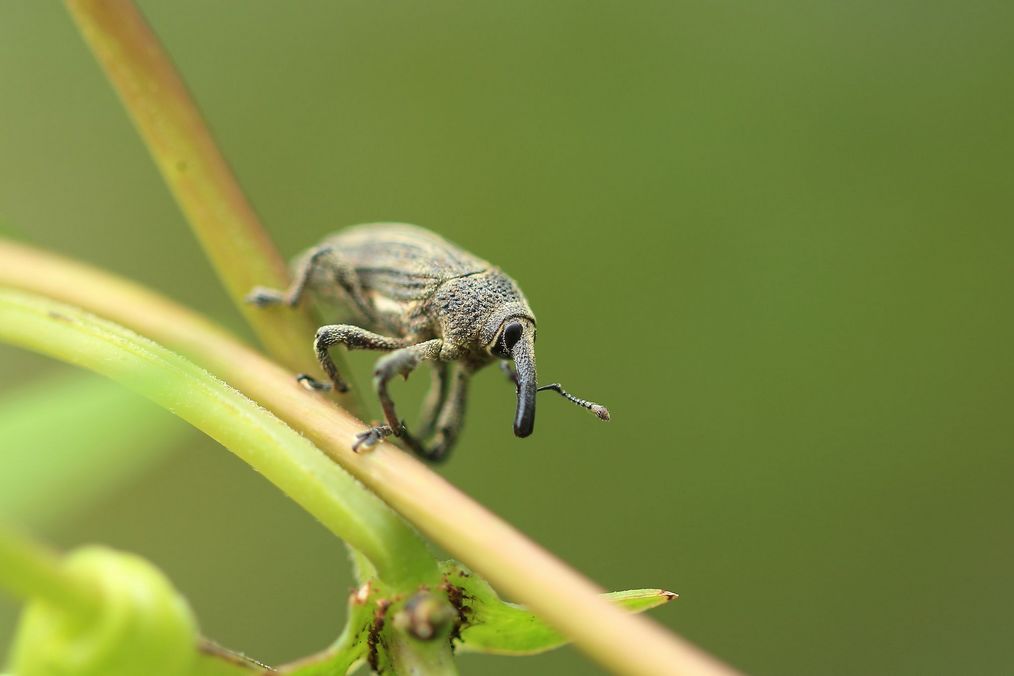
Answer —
459 601
373 640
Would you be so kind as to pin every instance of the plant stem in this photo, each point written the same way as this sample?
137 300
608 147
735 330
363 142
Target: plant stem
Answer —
515 565
195 171
29 570
267 444
409 656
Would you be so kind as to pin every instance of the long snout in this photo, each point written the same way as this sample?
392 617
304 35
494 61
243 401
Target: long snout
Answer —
524 362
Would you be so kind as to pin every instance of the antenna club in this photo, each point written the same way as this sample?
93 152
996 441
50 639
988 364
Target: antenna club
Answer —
599 410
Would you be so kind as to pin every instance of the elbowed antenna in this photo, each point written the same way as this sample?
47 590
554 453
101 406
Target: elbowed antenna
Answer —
598 409
523 354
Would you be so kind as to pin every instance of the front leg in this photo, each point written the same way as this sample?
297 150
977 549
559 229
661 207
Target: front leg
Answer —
352 337
402 362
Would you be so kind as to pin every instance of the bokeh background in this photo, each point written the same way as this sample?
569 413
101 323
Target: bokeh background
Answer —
775 238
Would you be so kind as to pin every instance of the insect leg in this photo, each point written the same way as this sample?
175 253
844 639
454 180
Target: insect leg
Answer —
401 361
264 297
435 398
347 278
509 371
352 337
449 422
371 437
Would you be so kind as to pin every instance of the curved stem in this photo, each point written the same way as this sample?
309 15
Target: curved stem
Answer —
282 455
515 565
28 570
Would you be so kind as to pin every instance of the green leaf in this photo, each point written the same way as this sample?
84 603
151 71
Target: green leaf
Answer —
497 627
71 439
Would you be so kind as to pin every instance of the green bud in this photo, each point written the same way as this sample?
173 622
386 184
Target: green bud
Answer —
143 625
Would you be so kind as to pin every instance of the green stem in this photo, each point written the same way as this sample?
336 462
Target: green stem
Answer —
266 443
409 656
29 570
196 173
362 569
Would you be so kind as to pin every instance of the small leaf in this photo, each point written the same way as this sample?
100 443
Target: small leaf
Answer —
639 600
497 627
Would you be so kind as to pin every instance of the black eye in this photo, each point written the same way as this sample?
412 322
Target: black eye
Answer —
511 335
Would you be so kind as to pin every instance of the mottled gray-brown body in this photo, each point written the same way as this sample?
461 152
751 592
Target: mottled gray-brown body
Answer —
419 297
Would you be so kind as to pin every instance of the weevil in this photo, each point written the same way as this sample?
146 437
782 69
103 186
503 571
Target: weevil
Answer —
420 298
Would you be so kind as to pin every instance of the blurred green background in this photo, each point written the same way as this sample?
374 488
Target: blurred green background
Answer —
775 238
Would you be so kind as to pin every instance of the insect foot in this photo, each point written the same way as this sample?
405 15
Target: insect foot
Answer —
264 297
371 437
311 383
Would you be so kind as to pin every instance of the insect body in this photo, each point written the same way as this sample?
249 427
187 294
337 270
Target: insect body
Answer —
420 298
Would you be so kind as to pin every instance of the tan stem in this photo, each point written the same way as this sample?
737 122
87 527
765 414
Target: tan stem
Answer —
195 171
